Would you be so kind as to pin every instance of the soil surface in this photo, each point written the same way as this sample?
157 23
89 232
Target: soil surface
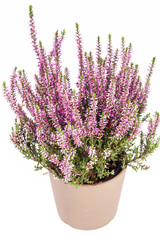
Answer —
118 169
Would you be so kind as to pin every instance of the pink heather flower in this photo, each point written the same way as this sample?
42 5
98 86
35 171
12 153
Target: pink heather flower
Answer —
103 122
76 113
153 125
74 133
146 89
62 140
127 120
93 156
91 124
77 136
55 159
18 139
51 109
136 129
110 99
66 166
66 96
33 32
106 153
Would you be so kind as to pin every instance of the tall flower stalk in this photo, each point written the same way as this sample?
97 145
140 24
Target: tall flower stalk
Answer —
84 136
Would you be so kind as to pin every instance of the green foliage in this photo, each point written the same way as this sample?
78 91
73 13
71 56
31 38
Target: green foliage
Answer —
37 107
94 96
40 44
63 32
31 11
120 153
4 84
109 37
77 26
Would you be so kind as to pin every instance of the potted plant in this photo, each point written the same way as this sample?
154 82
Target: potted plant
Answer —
84 138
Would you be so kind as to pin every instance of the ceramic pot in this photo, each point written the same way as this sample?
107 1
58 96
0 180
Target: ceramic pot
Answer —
88 206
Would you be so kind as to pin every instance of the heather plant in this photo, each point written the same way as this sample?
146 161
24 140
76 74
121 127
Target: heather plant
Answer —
87 135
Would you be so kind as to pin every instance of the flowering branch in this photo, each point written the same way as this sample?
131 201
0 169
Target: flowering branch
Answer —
88 135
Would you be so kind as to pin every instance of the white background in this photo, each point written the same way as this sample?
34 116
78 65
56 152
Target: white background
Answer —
27 208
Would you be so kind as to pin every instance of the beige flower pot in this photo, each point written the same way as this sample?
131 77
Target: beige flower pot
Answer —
88 206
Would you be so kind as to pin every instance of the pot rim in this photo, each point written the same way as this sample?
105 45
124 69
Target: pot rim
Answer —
94 184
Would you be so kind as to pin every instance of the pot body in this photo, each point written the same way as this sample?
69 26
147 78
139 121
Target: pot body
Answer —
88 206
